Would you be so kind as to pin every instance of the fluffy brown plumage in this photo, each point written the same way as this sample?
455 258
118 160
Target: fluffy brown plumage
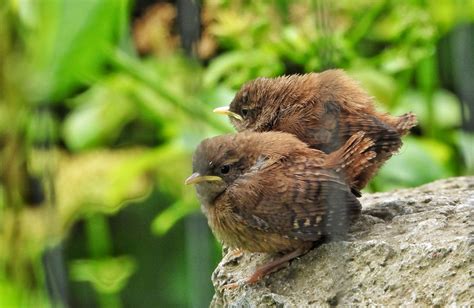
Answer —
269 192
324 110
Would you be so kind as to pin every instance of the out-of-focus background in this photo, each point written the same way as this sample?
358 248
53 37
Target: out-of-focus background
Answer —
102 103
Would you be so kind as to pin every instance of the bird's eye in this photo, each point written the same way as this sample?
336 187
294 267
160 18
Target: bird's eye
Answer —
225 169
245 112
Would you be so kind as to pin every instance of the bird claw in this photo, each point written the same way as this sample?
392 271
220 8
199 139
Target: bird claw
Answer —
235 285
233 257
254 278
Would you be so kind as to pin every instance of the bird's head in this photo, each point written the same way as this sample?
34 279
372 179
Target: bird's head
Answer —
220 161
217 163
257 105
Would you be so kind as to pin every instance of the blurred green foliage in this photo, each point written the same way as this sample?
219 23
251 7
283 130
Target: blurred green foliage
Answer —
128 124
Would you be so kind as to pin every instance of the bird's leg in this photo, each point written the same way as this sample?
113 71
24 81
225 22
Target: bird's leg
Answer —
274 265
268 268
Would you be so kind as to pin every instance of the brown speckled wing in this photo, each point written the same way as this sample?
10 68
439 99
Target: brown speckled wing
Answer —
352 158
303 204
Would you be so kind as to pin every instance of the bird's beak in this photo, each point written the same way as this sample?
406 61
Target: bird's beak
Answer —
196 178
225 111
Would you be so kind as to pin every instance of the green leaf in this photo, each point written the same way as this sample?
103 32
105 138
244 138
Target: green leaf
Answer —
377 83
448 13
418 162
107 276
12 295
466 144
101 114
101 182
68 42
172 92
244 64
164 221
446 108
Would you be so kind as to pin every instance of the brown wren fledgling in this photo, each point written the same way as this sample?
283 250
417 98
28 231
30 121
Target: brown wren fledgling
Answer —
322 109
269 192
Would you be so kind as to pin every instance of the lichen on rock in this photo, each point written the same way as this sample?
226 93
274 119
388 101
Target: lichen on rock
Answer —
409 247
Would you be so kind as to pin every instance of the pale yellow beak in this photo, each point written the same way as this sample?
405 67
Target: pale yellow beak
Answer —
196 178
225 111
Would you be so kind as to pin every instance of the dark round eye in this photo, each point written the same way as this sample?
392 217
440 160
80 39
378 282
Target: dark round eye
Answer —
225 169
244 112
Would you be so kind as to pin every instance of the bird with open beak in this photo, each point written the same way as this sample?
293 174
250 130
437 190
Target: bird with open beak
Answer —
322 109
269 192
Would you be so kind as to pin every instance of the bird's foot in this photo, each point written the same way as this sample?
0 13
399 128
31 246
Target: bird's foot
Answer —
266 269
235 285
257 275
232 257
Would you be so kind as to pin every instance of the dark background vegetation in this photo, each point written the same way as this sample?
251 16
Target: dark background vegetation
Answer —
102 103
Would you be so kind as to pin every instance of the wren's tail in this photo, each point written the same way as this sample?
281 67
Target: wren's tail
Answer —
353 157
405 122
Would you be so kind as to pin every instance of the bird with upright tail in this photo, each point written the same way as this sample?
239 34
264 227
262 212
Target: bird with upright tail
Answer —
323 110
270 192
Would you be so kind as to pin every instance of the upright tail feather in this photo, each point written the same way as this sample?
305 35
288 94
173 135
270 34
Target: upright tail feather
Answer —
383 133
405 123
353 157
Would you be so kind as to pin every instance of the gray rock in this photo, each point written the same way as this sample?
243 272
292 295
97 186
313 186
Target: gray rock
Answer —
411 247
